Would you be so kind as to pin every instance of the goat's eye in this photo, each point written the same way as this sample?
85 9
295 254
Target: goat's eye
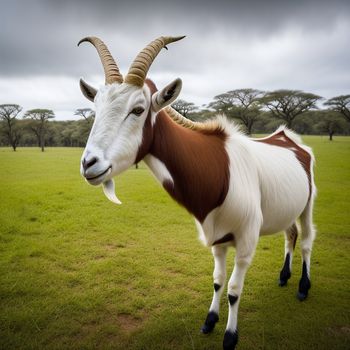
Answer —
138 111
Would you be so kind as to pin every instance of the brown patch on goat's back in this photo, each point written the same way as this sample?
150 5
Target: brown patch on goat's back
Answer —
282 140
197 161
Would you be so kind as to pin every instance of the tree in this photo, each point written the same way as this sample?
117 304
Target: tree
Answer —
87 113
185 108
242 104
288 104
340 104
39 124
201 115
8 114
331 124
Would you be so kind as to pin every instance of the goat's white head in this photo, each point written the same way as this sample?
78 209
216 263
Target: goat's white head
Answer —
122 108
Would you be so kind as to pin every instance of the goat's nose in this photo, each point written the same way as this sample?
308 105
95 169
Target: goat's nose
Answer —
88 162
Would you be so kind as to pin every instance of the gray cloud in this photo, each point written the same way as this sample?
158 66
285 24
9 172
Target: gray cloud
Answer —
230 44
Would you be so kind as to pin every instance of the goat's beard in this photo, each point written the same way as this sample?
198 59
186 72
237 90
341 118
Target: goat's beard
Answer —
109 191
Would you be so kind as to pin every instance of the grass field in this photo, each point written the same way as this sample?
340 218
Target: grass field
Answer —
78 272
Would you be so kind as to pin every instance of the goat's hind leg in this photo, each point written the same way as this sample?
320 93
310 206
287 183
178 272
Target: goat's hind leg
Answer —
291 235
308 234
219 275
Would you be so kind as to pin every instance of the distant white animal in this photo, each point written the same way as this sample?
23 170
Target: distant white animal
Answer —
237 188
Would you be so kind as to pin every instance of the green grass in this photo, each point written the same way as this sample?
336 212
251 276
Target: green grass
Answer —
78 272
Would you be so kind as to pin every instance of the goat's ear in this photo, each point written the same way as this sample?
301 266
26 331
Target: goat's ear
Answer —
167 95
88 91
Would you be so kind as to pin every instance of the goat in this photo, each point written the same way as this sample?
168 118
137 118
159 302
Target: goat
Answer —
236 188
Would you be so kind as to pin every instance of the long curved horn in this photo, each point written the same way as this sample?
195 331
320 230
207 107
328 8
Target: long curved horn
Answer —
139 68
181 120
207 126
112 74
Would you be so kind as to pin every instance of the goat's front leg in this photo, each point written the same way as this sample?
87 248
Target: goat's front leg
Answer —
245 249
219 275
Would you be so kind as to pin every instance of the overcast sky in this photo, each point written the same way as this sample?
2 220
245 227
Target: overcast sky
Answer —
265 45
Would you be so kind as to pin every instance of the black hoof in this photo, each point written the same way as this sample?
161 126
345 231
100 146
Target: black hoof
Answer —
210 322
282 283
303 291
285 272
230 340
304 285
302 296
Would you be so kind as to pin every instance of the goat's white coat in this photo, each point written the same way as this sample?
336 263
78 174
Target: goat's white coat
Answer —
267 184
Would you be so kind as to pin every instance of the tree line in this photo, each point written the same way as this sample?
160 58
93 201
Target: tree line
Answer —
37 128
263 112
255 110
